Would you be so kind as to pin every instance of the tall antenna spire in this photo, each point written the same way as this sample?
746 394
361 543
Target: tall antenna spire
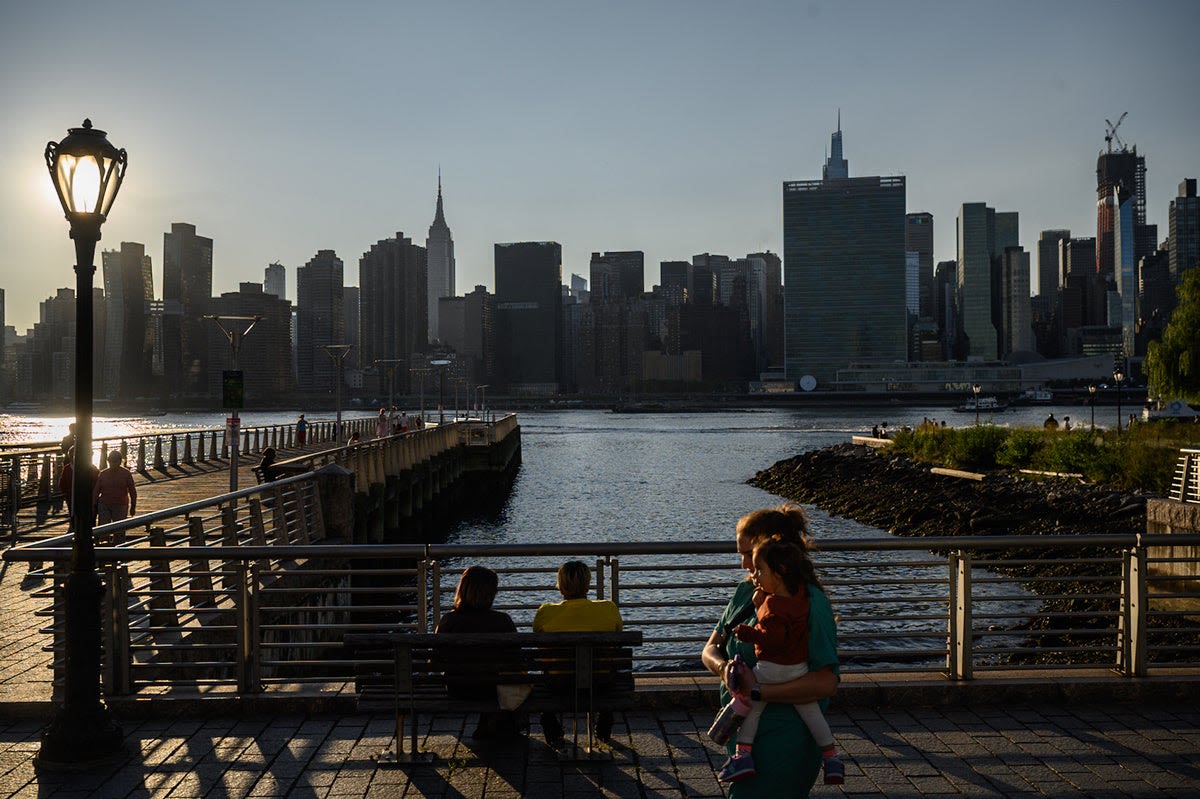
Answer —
438 217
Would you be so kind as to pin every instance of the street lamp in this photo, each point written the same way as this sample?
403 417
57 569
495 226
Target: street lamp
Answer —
87 172
232 387
390 364
1118 376
1092 402
483 402
420 373
441 364
975 390
338 353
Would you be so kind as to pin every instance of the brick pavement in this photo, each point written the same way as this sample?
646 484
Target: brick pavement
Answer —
1025 751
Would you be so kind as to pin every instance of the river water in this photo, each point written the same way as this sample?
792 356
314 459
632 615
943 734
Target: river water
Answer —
590 476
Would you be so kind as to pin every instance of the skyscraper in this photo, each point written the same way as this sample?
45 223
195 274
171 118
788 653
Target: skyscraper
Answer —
983 236
265 355
1119 175
275 281
126 370
1049 268
843 263
392 302
918 238
1184 230
528 298
617 275
187 288
439 248
320 320
836 167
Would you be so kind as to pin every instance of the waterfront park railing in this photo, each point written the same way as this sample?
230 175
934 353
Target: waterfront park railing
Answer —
245 593
29 473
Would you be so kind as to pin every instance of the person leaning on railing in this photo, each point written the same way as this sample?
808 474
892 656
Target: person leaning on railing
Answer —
787 759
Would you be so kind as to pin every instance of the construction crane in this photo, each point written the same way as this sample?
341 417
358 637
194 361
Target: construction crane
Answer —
1111 134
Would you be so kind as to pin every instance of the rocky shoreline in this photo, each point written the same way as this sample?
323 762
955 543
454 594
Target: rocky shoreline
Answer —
904 497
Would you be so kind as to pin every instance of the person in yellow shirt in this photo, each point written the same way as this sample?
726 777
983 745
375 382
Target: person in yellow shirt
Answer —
576 614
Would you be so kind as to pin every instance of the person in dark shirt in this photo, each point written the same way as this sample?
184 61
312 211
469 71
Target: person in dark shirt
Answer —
473 613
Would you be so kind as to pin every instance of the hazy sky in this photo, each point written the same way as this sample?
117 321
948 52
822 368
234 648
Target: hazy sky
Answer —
283 128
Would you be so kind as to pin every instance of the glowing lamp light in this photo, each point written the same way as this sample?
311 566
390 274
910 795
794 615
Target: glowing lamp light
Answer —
87 172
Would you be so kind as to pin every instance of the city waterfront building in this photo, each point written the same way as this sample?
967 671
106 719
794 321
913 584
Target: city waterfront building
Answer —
467 328
393 303
706 270
618 323
1183 217
844 272
439 248
275 280
675 278
264 357
1124 314
918 238
187 289
1155 297
983 235
1121 175
1049 267
320 320
945 287
1017 315
836 167
528 301
772 306
126 369
617 275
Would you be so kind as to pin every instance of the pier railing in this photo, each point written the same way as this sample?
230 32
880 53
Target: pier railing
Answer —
244 593
1185 487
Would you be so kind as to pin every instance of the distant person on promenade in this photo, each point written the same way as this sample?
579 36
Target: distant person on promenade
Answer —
782 574
301 431
68 441
786 758
66 480
1067 423
1051 423
381 424
115 494
473 613
576 614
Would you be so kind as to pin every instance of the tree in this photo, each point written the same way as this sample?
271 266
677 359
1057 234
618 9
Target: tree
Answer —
1173 364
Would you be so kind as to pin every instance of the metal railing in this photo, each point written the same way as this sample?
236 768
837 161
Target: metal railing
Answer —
243 593
29 474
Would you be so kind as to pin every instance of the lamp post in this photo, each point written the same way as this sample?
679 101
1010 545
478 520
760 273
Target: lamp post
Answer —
338 353
441 364
235 328
390 364
87 172
482 389
420 373
1092 402
1118 376
975 390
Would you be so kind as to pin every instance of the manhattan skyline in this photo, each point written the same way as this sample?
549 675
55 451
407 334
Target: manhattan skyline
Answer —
282 129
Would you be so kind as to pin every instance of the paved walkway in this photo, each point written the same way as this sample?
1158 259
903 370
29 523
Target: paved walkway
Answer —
1049 751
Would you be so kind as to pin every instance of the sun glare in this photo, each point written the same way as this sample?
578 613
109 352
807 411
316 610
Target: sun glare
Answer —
83 179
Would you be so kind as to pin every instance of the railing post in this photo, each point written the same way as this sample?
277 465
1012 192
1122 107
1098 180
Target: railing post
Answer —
960 637
600 562
249 668
173 452
1134 622
158 453
187 449
200 453
428 583
116 630
141 454
614 579
14 494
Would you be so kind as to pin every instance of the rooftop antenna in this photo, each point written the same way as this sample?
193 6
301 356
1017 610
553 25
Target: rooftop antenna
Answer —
1111 133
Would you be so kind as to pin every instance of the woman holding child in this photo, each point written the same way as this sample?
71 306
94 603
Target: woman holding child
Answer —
786 759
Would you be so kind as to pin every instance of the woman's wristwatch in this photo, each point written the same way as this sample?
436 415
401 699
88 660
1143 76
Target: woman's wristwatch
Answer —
756 692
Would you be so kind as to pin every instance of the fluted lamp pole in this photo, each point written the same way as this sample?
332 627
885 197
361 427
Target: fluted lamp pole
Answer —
1118 376
87 172
975 390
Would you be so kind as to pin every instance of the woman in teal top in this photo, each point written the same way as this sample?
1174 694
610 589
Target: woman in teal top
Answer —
786 758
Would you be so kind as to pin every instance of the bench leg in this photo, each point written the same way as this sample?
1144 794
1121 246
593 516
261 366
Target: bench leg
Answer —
395 756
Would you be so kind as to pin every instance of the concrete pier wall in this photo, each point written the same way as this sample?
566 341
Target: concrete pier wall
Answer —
1166 516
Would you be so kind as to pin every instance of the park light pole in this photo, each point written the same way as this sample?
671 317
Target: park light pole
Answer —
390 365
338 353
441 364
1118 376
1092 402
420 373
87 172
235 329
482 389
975 390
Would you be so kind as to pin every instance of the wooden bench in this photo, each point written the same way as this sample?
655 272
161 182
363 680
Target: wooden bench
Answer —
564 672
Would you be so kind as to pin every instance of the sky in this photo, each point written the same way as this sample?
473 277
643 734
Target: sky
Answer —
282 128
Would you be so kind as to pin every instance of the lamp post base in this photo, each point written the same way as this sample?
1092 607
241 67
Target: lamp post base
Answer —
80 739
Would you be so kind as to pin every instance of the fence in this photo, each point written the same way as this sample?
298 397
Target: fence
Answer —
244 593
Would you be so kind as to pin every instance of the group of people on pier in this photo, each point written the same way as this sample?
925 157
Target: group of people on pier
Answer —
774 649
114 493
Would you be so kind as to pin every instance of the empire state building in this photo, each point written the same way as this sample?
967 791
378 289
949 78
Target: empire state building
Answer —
440 248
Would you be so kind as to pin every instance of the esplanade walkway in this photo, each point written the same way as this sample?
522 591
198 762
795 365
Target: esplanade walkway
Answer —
1078 733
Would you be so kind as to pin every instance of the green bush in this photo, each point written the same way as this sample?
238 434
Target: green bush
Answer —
976 447
1021 448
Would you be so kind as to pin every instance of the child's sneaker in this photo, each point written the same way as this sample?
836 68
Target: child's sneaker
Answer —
835 771
737 768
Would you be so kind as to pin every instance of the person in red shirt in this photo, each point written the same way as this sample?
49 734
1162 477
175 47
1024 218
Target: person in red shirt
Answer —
780 639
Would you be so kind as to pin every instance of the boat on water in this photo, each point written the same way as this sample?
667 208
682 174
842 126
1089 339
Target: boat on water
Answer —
981 405
1034 396
1165 411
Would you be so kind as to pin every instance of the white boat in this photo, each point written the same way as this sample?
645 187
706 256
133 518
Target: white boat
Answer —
981 405
1035 396
1175 409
